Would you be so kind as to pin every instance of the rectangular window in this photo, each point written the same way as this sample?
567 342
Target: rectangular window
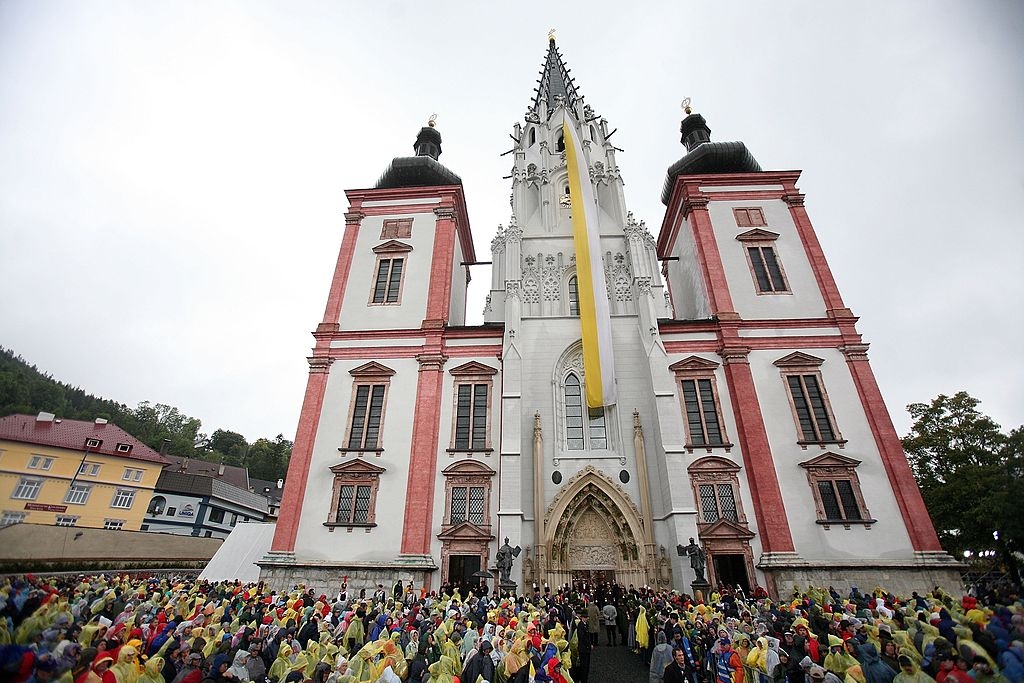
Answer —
767 272
78 494
366 417
471 417
40 462
354 504
361 514
89 469
216 515
47 464
389 281
124 448
27 489
717 502
458 504
574 297
596 429
396 228
749 218
702 412
172 511
132 474
839 501
476 504
811 412
12 517
123 498
234 519
93 443
67 520
113 524
574 414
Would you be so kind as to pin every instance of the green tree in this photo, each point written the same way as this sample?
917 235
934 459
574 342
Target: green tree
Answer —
269 459
969 472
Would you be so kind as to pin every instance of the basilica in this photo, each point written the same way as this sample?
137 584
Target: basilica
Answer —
625 393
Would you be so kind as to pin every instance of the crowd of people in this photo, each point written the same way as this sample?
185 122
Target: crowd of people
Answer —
136 629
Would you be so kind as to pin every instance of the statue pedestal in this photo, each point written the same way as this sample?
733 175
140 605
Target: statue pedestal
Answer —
507 587
700 585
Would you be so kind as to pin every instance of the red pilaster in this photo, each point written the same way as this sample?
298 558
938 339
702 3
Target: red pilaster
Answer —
348 249
769 509
695 210
302 454
439 295
901 478
419 495
834 306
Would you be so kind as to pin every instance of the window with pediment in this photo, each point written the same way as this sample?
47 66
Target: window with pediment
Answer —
468 493
702 413
471 428
354 495
763 259
390 269
716 488
367 407
812 412
836 488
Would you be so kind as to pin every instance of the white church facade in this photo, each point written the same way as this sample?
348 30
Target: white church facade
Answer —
746 415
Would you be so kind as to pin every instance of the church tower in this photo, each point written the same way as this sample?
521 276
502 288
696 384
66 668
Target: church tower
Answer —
624 395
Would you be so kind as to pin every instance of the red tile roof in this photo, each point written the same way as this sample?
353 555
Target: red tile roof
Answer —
71 434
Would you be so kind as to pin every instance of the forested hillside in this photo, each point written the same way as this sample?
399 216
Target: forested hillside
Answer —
26 389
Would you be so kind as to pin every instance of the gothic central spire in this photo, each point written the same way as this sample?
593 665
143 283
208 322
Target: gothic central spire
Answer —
554 81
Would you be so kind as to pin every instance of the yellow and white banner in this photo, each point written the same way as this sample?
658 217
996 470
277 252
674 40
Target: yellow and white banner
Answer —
595 318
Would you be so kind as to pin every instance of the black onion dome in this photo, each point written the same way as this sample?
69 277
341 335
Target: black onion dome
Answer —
422 170
706 157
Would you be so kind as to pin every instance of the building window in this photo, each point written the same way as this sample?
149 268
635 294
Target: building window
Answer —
157 505
123 499
355 494
574 296
27 489
93 444
132 474
765 267
533 137
811 410
468 493
67 520
836 488
113 524
585 428
89 469
124 448
472 393
391 261
749 217
171 511
366 412
701 405
715 485
40 462
12 517
217 515
234 519
78 494
396 228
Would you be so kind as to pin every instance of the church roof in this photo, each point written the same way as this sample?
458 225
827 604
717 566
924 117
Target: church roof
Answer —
422 170
554 81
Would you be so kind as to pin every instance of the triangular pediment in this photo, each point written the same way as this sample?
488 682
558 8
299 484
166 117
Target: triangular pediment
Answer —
473 368
357 466
693 364
465 467
829 459
757 235
723 529
392 246
465 531
371 369
799 359
713 464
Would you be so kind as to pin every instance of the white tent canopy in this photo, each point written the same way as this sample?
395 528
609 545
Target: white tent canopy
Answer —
237 556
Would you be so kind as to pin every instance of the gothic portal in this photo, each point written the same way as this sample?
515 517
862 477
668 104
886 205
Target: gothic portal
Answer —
745 412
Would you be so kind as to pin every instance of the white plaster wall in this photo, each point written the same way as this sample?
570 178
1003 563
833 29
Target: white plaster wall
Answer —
356 311
381 543
888 539
457 311
804 299
686 278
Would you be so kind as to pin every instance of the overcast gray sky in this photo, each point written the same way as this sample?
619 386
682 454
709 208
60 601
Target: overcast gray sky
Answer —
172 173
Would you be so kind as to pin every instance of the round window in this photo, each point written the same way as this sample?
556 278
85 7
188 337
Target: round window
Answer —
624 476
556 477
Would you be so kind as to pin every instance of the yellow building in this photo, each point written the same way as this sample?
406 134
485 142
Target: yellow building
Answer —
74 473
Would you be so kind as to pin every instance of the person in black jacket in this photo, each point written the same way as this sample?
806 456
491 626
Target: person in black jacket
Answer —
676 672
479 664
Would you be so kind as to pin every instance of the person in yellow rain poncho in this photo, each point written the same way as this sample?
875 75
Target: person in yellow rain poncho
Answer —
643 631
153 671
127 668
449 648
443 670
515 659
839 658
280 666
392 655
362 665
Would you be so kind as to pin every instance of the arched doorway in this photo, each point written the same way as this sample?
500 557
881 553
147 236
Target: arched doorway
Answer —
594 533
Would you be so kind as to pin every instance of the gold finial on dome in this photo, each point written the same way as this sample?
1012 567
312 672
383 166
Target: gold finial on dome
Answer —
432 121
551 35
686 106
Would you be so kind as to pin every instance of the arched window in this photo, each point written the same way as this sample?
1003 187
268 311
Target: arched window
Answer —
574 296
533 137
584 428
560 144
157 506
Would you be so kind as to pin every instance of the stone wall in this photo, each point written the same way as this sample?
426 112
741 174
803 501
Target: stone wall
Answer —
328 579
898 580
